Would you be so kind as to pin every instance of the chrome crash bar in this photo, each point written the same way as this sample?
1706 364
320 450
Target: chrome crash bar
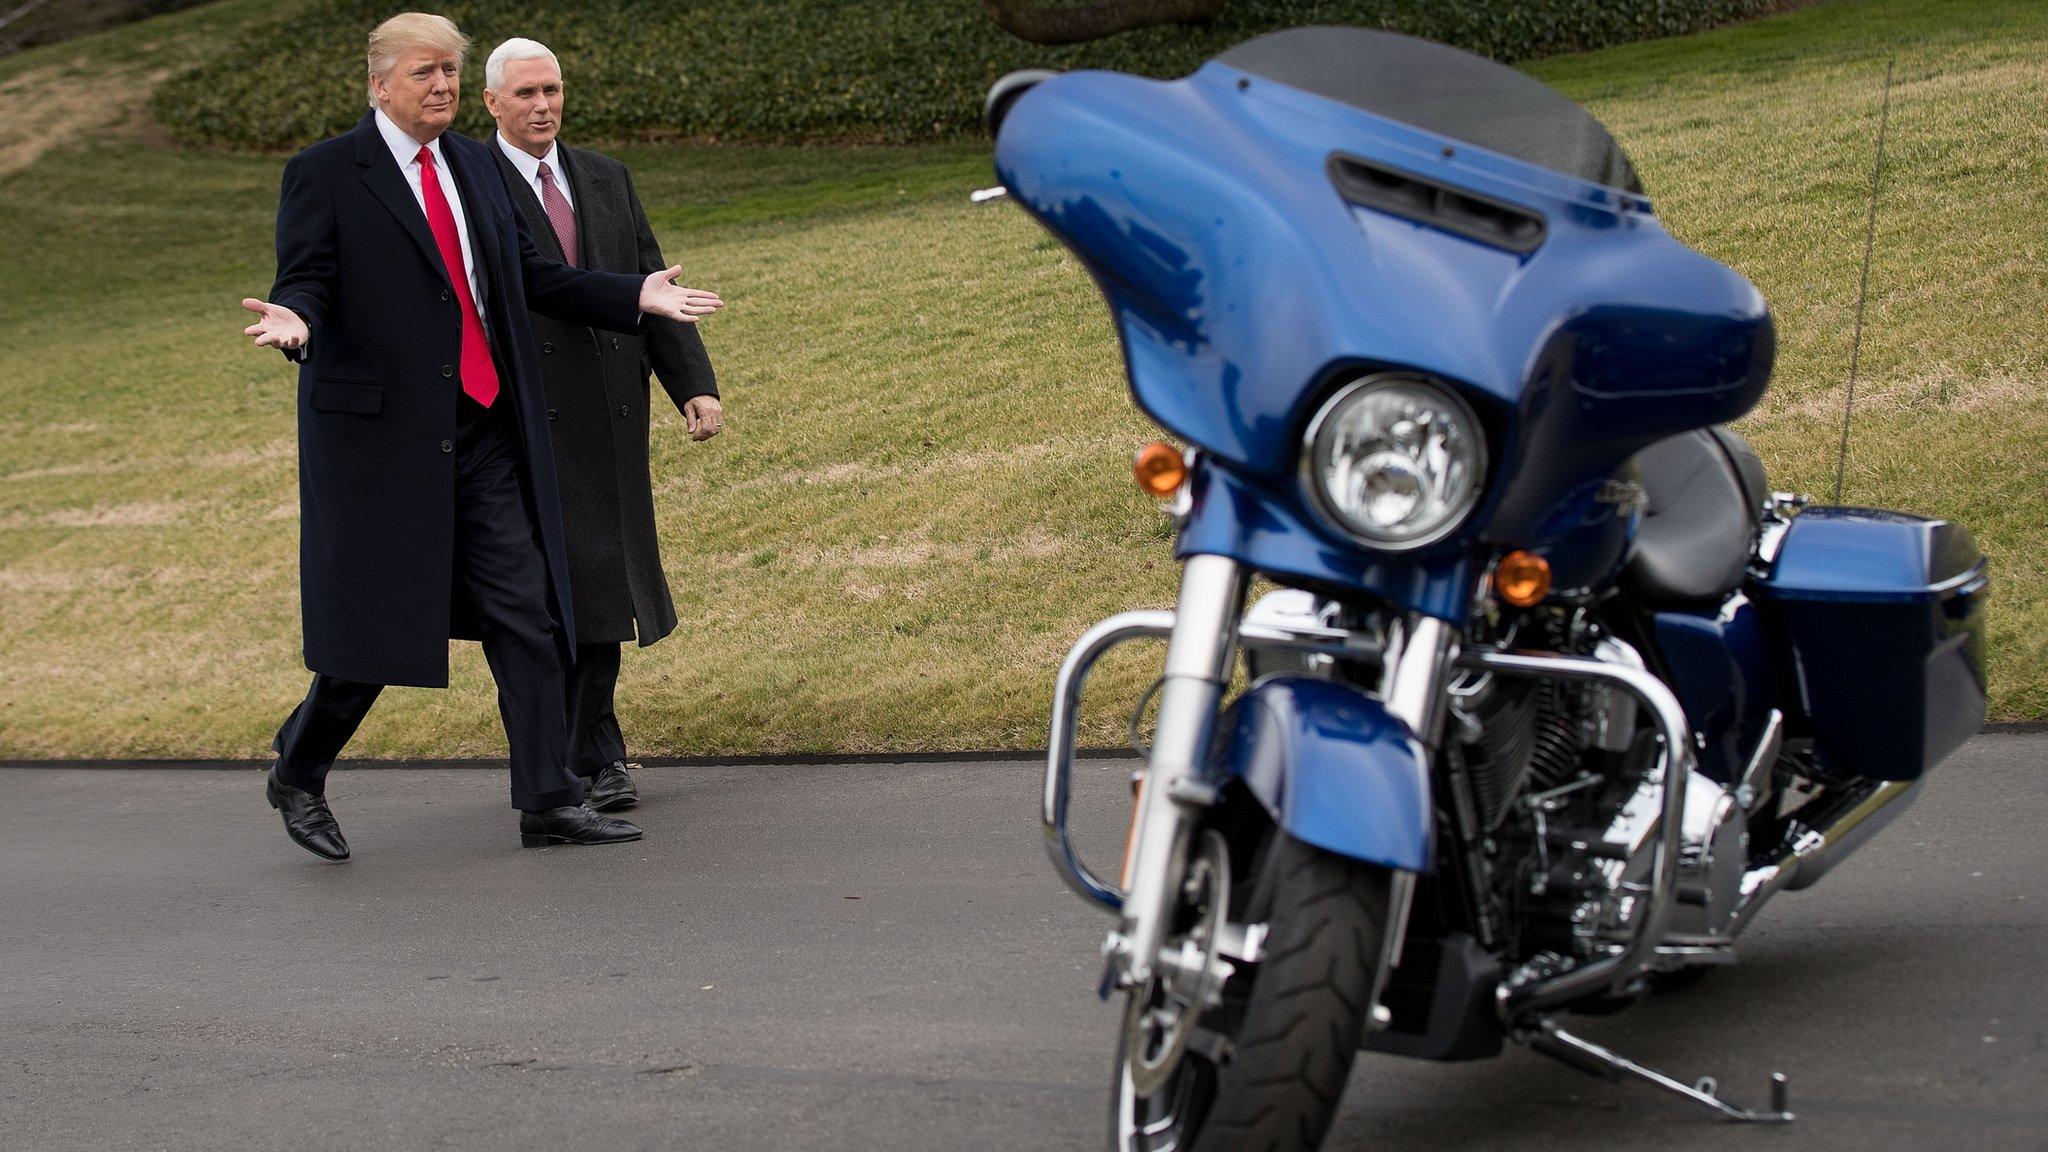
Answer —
1526 991
1530 990
1066 709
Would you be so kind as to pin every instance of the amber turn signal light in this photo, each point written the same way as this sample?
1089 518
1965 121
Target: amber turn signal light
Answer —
1160 469
1522 579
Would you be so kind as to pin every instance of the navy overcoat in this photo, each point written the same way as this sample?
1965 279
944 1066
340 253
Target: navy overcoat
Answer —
378 387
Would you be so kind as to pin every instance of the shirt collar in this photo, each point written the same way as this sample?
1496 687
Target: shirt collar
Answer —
404 148
528 164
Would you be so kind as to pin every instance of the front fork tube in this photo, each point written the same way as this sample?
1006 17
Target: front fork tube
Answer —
1419 652
1199 656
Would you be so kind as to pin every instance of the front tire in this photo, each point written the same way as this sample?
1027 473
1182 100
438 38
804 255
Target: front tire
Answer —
1271 1066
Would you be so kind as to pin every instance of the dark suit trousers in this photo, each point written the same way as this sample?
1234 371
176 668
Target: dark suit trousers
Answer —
594 736
500 568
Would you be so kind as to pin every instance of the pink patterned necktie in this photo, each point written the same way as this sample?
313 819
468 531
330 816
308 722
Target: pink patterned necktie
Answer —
479 374
559 213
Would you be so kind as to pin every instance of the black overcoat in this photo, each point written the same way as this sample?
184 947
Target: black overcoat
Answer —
378 387
598 403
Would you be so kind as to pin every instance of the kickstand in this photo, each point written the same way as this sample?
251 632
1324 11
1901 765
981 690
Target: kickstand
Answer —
1546 1037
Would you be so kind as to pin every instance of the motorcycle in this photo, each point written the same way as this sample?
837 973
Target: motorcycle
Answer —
1555 693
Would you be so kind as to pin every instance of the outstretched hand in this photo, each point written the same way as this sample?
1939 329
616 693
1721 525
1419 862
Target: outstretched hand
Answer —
662 296
276 326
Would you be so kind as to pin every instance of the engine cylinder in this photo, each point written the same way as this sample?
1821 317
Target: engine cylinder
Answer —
1502 716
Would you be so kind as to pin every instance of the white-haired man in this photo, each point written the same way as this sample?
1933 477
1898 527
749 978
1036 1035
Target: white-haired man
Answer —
582 209
426 477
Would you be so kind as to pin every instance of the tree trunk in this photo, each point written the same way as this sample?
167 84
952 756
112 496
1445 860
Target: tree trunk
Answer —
1027 21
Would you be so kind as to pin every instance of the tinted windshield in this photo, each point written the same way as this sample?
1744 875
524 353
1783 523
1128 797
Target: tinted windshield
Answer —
1443 90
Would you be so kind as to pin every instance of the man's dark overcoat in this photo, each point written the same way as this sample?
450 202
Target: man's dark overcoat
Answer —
598 404
378 389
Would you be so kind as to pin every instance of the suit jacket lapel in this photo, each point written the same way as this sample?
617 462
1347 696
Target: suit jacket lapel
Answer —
584 184
523 198
387 183
482 241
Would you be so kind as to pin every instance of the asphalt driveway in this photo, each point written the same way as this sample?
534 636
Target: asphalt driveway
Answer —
872 957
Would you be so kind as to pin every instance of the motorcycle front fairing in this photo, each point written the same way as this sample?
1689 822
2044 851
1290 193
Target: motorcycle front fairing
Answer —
1246 283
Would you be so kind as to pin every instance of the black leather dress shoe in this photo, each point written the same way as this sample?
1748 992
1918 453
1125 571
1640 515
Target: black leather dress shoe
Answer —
612 790
578 825
307 819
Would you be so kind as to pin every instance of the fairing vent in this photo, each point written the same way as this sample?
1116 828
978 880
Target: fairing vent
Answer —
1454 210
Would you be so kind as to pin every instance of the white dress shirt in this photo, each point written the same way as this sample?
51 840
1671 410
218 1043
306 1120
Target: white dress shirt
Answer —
406 150
529 167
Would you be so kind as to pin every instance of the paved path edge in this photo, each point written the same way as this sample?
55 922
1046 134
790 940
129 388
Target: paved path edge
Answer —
982 755
970 756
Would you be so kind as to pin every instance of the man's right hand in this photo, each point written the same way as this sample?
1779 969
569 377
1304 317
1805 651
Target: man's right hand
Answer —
276 326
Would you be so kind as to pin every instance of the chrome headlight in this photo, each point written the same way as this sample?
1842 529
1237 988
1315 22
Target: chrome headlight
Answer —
1394 460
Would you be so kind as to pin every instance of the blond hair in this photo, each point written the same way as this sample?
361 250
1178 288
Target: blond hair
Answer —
411 30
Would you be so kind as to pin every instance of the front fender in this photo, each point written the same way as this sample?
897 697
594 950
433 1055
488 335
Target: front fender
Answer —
1332 768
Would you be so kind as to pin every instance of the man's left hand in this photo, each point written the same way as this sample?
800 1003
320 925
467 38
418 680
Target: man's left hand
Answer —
704 417
660 295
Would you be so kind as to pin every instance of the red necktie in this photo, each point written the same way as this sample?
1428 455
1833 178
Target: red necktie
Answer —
479 374
559 213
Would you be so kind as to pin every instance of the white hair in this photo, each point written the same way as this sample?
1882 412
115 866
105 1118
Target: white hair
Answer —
517 48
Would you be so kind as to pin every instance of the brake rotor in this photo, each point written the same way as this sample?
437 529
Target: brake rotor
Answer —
1187 977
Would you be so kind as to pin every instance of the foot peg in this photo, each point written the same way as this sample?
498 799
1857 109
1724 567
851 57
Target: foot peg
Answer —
1546 1037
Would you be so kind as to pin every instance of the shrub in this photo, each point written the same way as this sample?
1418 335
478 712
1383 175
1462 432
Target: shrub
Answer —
890 71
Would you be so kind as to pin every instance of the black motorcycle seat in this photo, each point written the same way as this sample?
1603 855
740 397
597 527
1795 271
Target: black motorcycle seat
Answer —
1704 493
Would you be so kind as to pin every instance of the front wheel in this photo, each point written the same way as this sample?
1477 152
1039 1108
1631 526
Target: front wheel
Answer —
1264 1067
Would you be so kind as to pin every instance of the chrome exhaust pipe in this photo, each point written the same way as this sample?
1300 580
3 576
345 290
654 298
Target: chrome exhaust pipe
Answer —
1845 827
1855 825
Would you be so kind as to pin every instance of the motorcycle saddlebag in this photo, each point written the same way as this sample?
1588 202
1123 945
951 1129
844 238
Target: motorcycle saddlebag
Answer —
1880 620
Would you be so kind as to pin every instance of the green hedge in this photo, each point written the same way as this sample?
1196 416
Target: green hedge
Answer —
890 71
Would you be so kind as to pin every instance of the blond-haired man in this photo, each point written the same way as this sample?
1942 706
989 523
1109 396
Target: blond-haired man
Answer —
427 496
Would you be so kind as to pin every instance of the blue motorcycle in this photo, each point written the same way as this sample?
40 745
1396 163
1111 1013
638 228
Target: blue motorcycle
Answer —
1556 693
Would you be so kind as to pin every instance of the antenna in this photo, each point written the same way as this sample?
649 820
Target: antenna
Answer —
1863 289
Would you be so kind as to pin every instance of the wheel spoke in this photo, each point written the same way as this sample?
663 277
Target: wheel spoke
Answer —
1163 1124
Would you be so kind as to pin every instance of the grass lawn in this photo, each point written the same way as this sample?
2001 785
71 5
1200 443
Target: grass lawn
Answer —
923 496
